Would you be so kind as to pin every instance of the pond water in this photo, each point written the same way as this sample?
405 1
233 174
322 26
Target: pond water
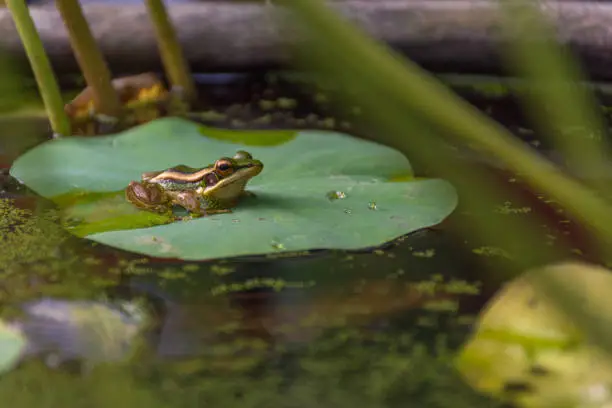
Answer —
327 328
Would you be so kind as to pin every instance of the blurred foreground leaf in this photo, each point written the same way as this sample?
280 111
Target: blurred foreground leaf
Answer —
12 343
528 350
556 100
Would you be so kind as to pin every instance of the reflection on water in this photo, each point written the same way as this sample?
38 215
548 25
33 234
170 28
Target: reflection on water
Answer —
91 332
353 336
197 314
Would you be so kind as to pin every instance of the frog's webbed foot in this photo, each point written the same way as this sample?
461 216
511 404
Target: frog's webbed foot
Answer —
207 212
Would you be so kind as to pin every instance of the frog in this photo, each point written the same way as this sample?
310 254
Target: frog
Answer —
214 189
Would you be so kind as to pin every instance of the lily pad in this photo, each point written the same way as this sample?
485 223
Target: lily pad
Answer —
317 190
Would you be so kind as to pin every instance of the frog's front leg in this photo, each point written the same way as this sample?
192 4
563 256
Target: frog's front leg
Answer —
197 205
190 201
147 196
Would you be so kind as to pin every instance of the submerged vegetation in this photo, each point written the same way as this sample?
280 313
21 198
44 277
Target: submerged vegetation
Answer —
340 369
37 258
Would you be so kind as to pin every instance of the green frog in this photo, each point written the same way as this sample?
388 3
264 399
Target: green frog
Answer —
201 191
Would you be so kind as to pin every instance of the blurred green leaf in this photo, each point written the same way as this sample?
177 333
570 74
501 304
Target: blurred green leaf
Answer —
12 344
523 337
557 101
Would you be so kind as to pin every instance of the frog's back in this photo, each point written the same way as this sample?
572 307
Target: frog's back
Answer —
173 184
183 168
177 178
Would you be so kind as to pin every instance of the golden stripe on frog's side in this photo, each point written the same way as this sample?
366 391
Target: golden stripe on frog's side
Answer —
180 176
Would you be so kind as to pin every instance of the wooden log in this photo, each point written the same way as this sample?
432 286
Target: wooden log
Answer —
442 35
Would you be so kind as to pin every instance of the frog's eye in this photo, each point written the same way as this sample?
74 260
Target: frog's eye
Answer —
242 155
224 167
211 179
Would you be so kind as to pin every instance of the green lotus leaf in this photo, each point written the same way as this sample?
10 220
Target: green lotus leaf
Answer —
318 190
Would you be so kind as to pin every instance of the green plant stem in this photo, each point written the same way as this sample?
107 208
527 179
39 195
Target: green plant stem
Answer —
556 102
414 90
45 78
90 58
174 62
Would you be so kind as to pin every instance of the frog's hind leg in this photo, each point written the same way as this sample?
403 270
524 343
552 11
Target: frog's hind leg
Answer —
147 196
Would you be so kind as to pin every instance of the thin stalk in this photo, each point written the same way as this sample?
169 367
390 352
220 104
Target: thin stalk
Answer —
45 78
416 91
562 109
174 61
90 58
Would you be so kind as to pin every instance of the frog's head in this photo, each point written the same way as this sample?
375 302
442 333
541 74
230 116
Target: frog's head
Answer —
228 176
